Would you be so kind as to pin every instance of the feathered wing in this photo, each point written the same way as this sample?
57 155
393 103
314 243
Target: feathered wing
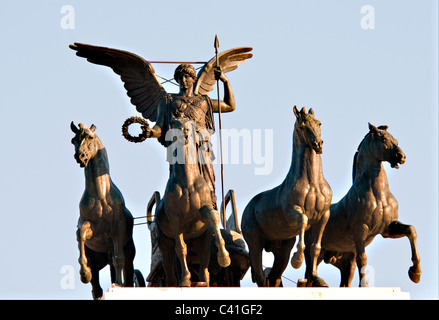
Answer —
137 74
228 60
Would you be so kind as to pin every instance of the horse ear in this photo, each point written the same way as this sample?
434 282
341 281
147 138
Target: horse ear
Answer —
92 128
384 127
74 127
311 111
296 112
372 127
303 111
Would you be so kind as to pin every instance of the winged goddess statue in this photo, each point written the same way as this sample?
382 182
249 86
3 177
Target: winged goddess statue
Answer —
192 101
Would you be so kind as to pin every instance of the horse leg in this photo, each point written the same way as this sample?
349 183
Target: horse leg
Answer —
96 261
347 265
313 240
212 216
281 257
251 233
128 271
297 259
181 251
84 233
258 275
167 247
201 246
118 245
396 230
96 290
360 236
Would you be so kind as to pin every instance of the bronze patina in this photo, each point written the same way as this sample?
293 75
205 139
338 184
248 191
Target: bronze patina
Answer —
192 101
105 225
188 209
299 206
229 276
367 210
186 214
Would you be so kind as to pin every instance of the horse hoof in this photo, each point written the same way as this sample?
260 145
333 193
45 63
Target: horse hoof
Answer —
414 275
224 261
85 275
318 282
296 261
275 283
185 283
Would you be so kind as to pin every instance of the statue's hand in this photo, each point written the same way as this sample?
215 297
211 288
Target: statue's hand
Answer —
154 132
148 131
219 74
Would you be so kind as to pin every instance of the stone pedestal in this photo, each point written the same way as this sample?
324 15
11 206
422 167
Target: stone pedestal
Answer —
253 293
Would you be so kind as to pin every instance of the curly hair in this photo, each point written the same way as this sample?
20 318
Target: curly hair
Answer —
185 68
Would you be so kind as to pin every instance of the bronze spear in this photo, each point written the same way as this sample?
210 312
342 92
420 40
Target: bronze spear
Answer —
217 77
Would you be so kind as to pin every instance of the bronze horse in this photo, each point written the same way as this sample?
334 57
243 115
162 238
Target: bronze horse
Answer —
273 218
105 225
230 276
185 213
368 209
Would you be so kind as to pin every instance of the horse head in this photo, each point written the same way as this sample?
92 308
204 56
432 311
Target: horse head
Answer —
183 150
385 146
85 142
308 129
185 128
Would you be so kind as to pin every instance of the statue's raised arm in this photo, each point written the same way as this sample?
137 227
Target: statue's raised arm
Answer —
228 61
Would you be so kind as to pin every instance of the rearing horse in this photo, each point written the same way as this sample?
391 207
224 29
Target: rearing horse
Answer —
185 213
105 225
273 218
368 209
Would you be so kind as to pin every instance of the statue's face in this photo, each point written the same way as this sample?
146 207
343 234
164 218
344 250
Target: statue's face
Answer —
186 81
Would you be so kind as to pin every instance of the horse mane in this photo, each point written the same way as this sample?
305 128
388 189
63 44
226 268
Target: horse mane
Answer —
354 166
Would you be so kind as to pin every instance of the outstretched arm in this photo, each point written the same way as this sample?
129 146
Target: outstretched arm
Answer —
228 102
156 131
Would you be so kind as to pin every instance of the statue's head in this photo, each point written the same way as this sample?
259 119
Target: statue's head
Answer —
185 69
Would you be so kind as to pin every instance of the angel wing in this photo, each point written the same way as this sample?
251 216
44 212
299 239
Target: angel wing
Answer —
228 60
138 75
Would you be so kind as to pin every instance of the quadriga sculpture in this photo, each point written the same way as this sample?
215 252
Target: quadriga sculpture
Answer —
367 210
273 219
105 225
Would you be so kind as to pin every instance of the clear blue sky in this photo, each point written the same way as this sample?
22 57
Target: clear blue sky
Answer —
306 53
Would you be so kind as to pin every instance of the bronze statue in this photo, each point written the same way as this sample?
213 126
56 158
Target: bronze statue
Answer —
368 209
229 276
299 206
105 225
186 214
192 102
171 111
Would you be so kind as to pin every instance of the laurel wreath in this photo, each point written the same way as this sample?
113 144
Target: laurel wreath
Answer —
141 137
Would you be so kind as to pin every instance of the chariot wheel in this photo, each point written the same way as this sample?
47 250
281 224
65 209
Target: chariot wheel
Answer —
138 279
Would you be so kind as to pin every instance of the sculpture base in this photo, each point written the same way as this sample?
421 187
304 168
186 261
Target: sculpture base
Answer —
253 293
